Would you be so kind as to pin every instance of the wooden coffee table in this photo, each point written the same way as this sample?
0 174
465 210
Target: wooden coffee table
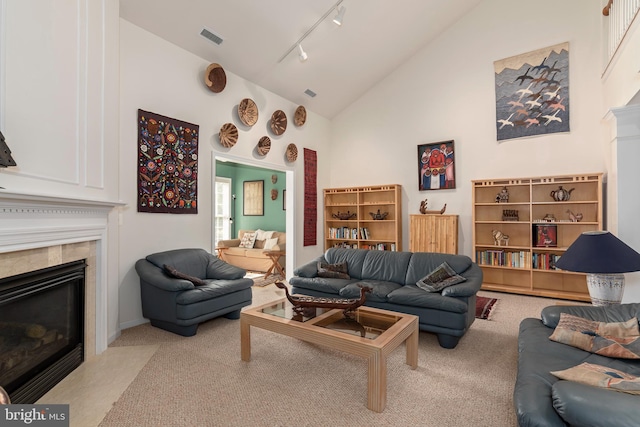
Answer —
373 334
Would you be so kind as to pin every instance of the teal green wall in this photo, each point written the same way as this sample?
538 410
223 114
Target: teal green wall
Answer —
274 215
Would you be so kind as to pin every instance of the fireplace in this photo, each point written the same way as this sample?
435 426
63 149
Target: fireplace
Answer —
41 329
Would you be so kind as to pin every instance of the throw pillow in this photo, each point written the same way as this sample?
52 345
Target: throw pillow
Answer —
270 243
333 271
178 275
263 235
440 278
248 239
601 376
595 337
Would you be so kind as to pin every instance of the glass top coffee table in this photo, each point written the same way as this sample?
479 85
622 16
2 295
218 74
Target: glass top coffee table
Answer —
371 333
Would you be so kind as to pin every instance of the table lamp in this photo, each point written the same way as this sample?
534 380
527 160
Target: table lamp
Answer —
604 258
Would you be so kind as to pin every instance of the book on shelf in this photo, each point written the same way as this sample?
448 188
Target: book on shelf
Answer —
502 258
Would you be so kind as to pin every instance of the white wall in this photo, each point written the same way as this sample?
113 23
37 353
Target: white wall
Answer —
159 77
446 91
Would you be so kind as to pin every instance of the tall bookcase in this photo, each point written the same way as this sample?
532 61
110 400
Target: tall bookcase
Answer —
539 229
361 230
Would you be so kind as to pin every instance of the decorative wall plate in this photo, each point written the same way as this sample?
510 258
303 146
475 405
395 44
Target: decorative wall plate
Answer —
248 112
264 145
278 122
215 78
292 152
228 135
300 116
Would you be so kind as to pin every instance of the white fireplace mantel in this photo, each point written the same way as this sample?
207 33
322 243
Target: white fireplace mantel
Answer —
30 222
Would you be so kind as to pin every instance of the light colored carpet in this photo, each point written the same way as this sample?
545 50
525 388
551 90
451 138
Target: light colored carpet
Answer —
201 380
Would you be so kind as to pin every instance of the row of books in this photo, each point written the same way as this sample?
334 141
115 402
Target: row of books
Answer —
376 247
521 259
545 261
348 233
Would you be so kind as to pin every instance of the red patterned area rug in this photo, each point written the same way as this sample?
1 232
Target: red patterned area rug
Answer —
484 306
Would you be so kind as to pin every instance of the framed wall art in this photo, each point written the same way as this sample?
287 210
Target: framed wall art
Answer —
253 198
436 166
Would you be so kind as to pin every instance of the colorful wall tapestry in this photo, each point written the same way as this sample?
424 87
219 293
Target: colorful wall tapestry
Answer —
310 198
532 93
167 165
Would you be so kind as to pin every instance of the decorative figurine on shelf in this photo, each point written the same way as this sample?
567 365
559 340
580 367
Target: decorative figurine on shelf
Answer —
503 196
423 209
510 215
343 215
577 217
378 215
300 302
499 238
561 195
549 218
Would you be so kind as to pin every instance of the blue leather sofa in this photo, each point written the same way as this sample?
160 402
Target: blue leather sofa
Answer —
392 277
177 305
541 399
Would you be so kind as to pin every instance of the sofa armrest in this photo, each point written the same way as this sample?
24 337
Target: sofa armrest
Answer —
155 276
309 269
612 313
231 243
588 406
279 247
469 287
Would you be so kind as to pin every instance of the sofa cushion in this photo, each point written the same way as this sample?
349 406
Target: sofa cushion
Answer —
219 269
320 284
248 240
379 290
333 271
213 289
412 295
440 278
171 271
188 261
353 257
386 266
263 235
270 243
601 376
582 333
423 263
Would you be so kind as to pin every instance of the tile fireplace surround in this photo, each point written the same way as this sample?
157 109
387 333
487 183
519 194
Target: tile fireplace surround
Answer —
39 231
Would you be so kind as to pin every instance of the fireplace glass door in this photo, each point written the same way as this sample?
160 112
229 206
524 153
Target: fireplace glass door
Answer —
41 329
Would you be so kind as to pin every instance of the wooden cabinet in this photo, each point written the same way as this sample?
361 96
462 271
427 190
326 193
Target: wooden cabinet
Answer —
433 233
363 217
517 240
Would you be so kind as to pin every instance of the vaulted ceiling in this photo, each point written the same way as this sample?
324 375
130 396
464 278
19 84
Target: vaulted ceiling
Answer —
343 61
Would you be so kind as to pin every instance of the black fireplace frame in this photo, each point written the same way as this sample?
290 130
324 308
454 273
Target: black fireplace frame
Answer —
13 288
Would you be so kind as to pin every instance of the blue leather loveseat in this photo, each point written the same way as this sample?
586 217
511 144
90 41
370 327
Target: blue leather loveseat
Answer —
392 277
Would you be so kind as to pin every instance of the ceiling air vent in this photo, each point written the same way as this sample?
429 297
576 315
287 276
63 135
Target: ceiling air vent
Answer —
310 93
211 36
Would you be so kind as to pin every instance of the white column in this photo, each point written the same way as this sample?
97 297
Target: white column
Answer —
623 194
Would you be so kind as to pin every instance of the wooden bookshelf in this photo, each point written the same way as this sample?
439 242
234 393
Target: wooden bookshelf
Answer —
539 230
362 230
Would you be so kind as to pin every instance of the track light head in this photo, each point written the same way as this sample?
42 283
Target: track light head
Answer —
339 16
302 54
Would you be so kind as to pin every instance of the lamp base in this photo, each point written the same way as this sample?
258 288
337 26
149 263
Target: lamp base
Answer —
605 289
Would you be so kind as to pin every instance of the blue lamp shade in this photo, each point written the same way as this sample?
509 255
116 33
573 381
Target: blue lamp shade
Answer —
599 252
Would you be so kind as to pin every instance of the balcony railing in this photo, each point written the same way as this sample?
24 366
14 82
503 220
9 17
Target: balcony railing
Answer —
621 14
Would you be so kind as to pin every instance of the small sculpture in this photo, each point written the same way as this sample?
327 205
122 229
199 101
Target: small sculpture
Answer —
549 218
510 215
503 196
378 215
499 238
561 195
300 302
423 208
343 215
577 217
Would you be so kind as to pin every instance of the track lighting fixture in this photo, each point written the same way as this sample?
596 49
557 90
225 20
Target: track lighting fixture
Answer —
340 15
301 53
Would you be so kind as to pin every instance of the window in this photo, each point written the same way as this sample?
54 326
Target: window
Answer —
223 221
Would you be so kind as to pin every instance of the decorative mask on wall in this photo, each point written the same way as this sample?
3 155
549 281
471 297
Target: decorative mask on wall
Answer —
274 178
274 194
